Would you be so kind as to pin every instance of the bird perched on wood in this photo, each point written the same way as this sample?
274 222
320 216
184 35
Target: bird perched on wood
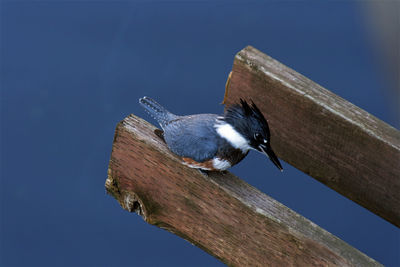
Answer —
211 142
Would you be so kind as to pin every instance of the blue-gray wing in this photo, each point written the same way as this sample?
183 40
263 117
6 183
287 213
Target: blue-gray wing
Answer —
193 136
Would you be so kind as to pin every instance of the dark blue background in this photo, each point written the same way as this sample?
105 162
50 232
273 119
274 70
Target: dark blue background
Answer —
71 70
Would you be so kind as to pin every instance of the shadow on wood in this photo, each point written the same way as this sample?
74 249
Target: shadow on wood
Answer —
219 213
321 134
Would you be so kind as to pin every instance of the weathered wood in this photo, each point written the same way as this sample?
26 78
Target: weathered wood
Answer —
220 213
321 134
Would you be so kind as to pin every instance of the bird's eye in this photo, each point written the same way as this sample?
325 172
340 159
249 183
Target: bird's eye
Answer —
257 136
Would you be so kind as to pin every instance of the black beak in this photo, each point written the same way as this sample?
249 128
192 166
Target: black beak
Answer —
267 150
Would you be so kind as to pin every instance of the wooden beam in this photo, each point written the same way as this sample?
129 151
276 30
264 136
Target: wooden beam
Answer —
219 213
321 134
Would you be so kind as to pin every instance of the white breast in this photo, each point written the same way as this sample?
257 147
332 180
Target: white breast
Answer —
221 164
229 133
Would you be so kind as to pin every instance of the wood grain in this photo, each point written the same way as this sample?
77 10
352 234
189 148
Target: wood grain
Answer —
321 134
219 213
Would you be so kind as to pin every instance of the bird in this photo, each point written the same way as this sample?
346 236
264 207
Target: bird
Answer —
211 142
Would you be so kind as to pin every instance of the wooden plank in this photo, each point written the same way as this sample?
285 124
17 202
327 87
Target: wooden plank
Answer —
321 134
219 213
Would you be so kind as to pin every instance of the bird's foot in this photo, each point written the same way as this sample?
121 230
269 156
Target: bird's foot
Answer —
203 172
160 134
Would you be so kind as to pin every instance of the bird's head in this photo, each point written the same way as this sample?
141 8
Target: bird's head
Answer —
250 122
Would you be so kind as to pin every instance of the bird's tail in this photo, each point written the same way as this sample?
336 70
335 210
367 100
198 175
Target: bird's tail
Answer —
158 112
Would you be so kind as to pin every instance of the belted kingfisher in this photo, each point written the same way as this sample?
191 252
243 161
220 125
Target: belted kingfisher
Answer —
211 142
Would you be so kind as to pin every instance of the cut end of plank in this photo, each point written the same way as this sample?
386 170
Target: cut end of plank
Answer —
226 88
128 200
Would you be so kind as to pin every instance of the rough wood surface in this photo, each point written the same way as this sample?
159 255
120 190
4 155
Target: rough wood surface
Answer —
220 213
321 134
